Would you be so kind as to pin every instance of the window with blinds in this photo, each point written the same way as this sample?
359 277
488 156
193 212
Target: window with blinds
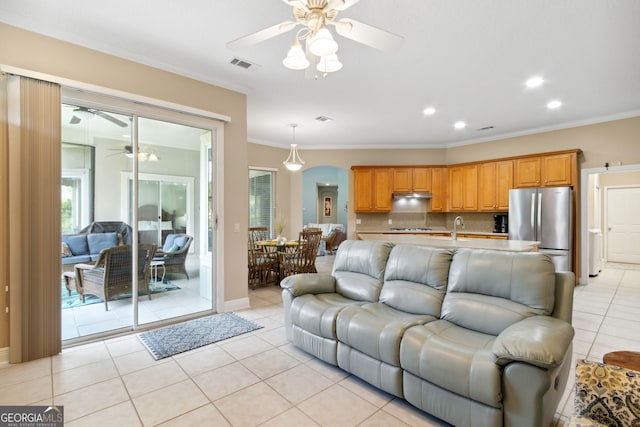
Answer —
261 198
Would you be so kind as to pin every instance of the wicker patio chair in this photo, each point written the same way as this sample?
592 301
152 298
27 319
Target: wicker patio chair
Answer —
303 260
174 253
112 273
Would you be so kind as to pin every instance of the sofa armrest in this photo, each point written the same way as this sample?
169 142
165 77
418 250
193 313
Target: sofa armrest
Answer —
309 283
538 340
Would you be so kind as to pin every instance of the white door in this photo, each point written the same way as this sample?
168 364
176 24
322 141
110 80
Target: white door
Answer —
623 224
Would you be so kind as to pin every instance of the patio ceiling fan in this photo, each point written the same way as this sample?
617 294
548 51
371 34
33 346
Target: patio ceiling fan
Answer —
314 17
143 155
85 113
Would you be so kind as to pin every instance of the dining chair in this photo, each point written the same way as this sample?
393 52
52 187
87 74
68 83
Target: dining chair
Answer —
303 259
263 265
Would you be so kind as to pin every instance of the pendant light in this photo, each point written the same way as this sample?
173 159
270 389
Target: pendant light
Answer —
294 162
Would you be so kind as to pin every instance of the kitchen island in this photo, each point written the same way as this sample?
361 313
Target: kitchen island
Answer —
428 239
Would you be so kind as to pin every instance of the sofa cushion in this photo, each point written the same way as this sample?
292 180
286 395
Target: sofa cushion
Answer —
100 241
376 329
415 279
359 269
317 313
77 243
490 290
453 358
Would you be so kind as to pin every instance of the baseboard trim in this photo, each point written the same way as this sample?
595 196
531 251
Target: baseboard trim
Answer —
4 355
237 304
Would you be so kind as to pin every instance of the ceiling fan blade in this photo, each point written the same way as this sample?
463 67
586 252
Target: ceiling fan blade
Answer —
341 4
262 35
296 3
75 120
110 118
368 35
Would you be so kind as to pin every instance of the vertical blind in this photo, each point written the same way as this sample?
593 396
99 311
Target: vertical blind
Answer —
261 198
33 195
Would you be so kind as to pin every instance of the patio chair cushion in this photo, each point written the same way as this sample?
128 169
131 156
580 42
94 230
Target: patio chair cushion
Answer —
100 241
174 242
77 243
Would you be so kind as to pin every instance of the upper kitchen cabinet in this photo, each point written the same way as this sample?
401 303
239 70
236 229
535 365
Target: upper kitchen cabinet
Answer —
372 189
463 188
546 171
438 189
406 179
495 179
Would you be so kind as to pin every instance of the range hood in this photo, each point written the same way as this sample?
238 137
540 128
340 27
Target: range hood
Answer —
411 195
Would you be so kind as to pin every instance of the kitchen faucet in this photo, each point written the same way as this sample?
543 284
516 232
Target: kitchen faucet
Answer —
456 222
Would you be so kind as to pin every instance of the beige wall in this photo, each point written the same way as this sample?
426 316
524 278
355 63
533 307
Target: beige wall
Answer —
34 52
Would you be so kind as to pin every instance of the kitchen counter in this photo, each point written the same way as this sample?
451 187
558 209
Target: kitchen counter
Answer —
447 242
436 232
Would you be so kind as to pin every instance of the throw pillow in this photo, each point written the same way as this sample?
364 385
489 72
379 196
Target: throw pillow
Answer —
607 394
66 250
174 248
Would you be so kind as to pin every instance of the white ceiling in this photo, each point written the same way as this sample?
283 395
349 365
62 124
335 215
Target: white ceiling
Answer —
467 58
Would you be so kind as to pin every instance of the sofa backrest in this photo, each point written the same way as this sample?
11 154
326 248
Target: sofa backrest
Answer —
359 268
490 290
415 279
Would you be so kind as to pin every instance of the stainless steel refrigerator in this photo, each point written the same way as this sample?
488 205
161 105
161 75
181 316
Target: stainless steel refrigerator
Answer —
544 215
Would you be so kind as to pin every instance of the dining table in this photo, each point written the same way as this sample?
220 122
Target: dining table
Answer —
288 246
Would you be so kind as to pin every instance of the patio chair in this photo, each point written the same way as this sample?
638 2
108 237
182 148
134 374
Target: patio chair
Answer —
303 260
174 253
112 274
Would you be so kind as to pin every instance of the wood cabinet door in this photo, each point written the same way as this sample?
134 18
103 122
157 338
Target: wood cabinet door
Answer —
504 183
438 189
470 188
527 172
363 190
487 177
556 170
402 179
456 182
382 189
421 178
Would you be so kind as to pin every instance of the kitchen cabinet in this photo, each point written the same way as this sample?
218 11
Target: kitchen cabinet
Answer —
438 189
495 179
545 171
372 189
411 179
463 188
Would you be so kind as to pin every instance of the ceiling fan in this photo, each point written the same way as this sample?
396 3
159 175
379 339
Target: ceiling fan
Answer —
314 16
80 113
143 156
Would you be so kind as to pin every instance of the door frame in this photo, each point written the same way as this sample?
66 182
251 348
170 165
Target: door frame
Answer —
584 212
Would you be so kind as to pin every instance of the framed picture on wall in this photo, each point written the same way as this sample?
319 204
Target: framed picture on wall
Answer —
327 206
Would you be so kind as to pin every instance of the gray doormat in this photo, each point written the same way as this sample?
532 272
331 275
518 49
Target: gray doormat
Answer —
181 337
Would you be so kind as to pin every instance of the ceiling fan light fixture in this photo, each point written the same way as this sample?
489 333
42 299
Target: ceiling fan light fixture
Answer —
323 44
329 64
296 59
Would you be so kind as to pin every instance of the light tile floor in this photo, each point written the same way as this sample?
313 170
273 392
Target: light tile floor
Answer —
260 379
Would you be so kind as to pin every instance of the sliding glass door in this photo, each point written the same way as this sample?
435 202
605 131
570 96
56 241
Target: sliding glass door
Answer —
135 178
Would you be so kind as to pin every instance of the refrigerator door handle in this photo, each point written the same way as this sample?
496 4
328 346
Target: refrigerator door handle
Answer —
533 213
539 222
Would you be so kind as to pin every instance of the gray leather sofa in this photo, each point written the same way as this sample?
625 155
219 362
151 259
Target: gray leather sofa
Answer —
473 337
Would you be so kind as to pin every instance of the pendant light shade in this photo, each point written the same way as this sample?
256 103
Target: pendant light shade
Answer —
329 64
296 59
294 162
323 43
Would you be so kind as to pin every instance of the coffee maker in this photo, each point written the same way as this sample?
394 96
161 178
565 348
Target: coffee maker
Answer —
501 223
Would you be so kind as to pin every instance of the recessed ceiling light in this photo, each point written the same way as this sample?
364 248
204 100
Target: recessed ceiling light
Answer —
429 111
459 125
554 104
534 82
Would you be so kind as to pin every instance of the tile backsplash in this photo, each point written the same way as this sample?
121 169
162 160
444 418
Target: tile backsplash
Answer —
473 221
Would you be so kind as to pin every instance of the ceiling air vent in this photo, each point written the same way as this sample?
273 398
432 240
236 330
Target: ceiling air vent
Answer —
323 119
241 63
485 128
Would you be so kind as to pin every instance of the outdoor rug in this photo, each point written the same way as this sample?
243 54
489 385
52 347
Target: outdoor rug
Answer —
185 336
74 300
